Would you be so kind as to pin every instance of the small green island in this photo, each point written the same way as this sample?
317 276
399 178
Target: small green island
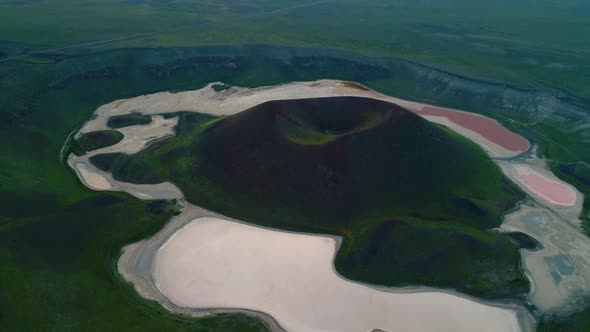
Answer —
127 120
96 140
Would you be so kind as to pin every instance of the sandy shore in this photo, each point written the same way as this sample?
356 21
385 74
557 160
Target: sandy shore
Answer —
137 260
136 264
91 178
135 139
232 266
559 272
486 132
96 179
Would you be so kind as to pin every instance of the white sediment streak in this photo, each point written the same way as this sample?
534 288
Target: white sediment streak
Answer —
217 263
94 180
135 139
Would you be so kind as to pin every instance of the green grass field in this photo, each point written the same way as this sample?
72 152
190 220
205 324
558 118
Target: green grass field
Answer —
522 42
58 266
59 240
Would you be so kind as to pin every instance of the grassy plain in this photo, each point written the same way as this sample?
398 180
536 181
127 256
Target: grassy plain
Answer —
522 42
535 45
58 266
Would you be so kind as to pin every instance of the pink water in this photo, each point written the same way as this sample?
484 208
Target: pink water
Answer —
486 127
549 190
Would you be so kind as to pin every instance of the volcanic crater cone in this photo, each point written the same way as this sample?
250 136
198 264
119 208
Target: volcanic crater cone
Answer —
335 159
413 201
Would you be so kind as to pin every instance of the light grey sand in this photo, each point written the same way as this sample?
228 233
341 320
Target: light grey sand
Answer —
137 264
135 139
237 99
560 271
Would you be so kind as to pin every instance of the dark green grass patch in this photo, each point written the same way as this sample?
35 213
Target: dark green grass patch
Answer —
132 119
524 241
105 161
411 252
188 121
58 268
99 139
578 172
220 87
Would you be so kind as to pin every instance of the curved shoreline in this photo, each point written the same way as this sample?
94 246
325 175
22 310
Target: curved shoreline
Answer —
236 99
136 264
137 256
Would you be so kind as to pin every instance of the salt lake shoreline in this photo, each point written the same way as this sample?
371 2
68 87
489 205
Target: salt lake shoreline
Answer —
136 257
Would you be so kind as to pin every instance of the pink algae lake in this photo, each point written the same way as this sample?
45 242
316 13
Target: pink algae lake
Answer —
549 190
486 127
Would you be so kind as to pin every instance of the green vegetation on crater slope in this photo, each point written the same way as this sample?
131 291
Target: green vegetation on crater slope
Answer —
413 201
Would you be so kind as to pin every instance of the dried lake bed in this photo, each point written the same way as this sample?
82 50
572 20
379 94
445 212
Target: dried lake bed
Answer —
220 259
291 277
